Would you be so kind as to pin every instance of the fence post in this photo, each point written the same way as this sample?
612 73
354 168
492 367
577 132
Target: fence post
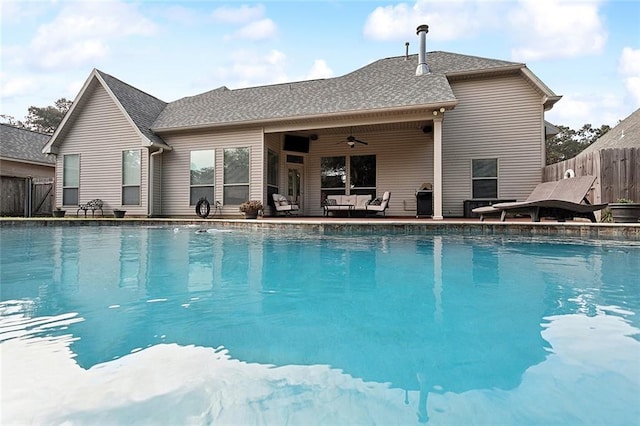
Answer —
28 196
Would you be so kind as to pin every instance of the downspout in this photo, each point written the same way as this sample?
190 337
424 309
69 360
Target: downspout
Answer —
151 181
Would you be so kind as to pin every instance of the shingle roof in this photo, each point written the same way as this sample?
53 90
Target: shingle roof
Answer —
625 134
22 144
384 84
141 107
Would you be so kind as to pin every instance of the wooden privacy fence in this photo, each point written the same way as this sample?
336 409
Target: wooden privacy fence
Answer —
617 171
26 196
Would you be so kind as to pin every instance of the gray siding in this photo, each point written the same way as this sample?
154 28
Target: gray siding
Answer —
495 118
105 129
176 166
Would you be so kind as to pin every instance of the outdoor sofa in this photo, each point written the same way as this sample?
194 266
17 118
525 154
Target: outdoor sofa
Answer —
356 203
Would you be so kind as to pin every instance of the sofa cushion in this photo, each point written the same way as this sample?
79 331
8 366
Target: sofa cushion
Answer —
349 199
362 200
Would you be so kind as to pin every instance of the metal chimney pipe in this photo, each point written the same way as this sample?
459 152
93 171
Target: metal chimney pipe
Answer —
423 68
406 51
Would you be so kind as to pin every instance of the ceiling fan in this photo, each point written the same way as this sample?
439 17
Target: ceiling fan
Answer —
351 141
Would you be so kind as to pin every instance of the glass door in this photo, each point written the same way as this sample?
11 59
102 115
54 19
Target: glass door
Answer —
295 183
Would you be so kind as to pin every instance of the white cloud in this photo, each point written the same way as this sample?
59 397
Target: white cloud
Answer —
83 31
16 86
183 15
250 68
20 12
259 30
447 20
629 69
578 109
238 15
556 28
320 69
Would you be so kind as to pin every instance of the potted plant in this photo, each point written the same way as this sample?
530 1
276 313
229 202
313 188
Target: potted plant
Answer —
251 208
625 211
58 212
119 213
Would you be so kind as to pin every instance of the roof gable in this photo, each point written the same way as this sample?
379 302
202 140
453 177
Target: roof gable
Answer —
140 108
23 145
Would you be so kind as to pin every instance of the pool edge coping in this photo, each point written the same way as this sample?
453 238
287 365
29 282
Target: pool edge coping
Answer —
619 231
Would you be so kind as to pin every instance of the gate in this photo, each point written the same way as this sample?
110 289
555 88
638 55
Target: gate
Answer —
26 197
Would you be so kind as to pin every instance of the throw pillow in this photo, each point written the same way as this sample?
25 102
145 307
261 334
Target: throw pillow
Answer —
330 202
376 202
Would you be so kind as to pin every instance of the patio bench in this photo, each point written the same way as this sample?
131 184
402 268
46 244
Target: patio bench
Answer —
93 205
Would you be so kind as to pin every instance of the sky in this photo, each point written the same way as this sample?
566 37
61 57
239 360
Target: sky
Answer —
586 51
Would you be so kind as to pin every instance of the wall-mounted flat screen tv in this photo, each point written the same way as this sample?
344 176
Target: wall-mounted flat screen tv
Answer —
296 143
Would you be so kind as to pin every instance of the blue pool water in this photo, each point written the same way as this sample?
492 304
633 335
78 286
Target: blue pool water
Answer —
105 325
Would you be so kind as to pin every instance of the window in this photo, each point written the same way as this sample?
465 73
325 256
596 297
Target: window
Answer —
236 175
485 178
70 179
296 159
362 175
131 177
333 175
202 179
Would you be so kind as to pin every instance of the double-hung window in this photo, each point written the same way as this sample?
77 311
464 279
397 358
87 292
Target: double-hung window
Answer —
131 170
70 179
202 180
236 175
484 176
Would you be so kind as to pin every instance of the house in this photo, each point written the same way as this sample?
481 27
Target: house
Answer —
614 159
26 174
468 127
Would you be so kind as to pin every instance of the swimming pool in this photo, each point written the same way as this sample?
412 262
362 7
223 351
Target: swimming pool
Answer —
168 325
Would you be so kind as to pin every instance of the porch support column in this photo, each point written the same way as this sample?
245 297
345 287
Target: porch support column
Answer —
437 168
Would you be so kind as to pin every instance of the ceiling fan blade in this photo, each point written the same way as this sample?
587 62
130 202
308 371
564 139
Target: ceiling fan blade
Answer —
362 142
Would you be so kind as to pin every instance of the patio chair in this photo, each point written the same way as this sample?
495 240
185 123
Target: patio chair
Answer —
379 205
563 199
283 204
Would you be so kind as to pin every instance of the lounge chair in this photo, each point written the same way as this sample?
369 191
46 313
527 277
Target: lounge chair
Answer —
374 207
283 204
563 199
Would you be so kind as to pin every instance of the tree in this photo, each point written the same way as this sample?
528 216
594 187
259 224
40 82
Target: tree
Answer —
46 119
569 143
11 121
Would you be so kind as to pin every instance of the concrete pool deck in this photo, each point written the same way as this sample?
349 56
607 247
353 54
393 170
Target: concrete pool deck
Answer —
459 226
